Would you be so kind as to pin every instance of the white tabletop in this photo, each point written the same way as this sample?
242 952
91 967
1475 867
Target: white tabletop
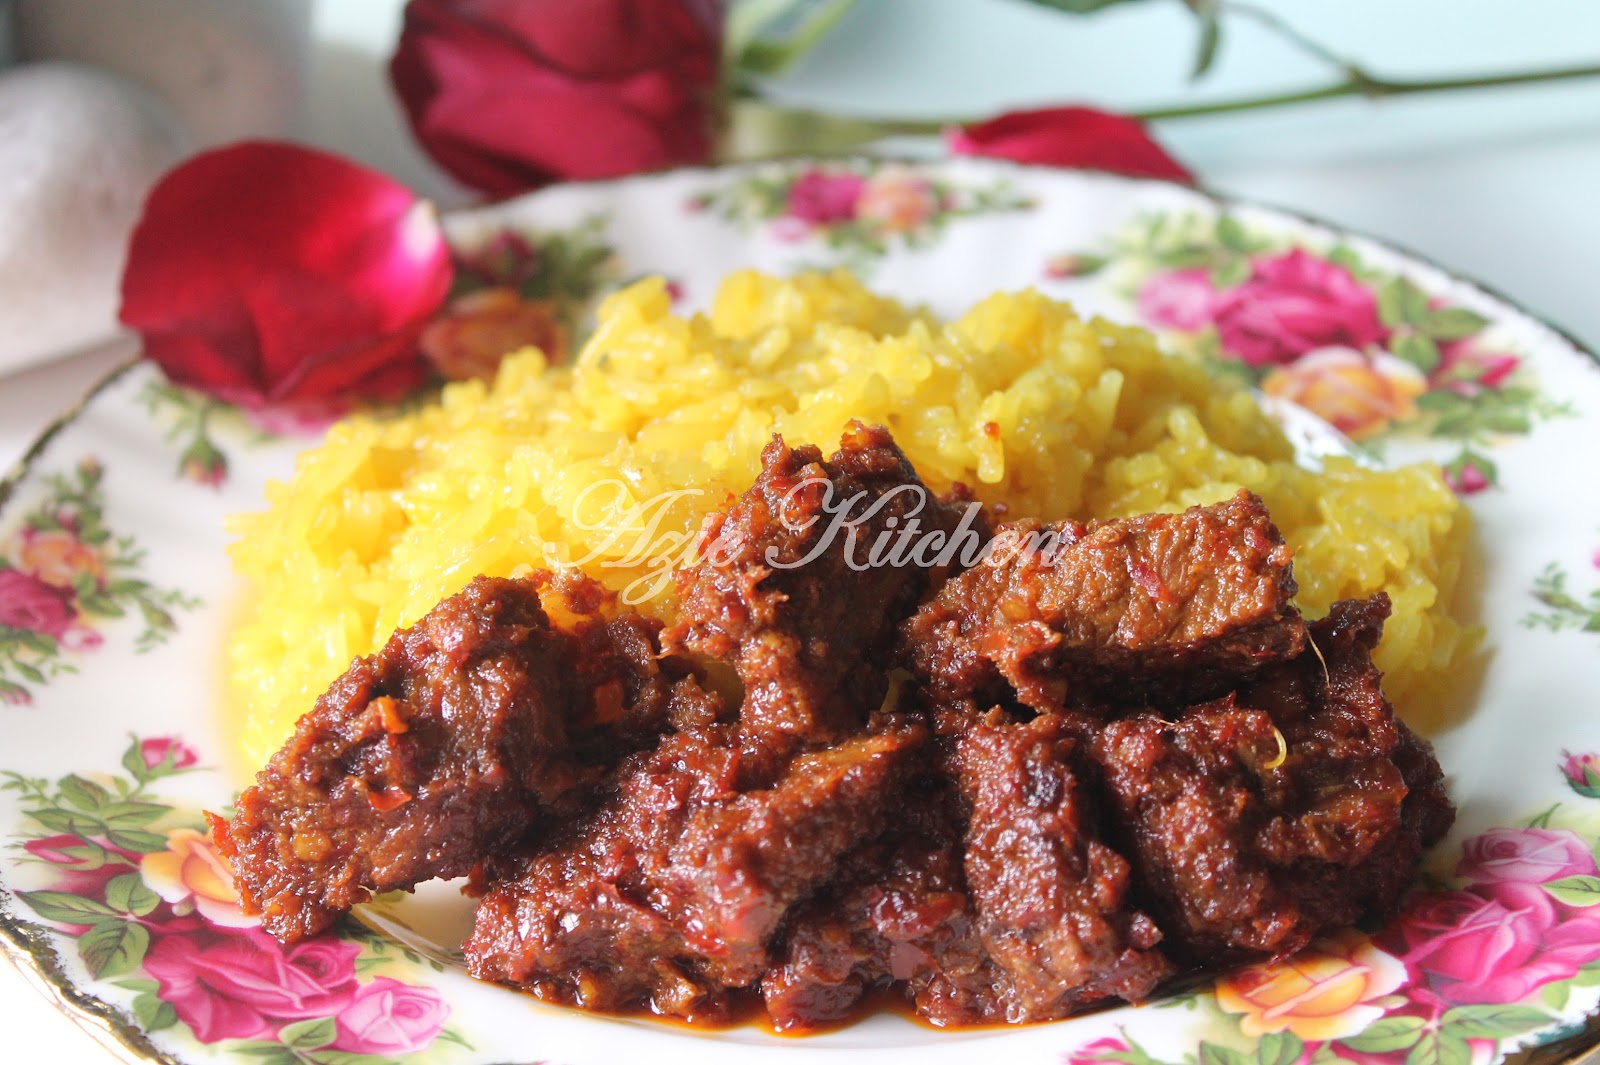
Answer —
1509 200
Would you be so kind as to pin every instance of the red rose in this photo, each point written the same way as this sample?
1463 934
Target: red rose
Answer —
1079 137
29 604
244 984
270 274
1472 950
390 1019
822 197
508 95
1294 303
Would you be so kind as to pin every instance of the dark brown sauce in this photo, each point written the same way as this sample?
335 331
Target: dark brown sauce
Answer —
745 1009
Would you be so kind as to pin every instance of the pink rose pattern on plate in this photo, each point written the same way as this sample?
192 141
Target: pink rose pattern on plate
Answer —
152 910
856 209
1368 351
64 574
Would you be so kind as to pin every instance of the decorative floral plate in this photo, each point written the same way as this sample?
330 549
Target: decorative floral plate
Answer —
116 600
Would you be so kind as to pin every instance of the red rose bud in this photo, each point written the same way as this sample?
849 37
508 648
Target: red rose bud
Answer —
202 463
1075 137
1583 773
269 274
508 95
1067 267
1469 475
168 751
507 258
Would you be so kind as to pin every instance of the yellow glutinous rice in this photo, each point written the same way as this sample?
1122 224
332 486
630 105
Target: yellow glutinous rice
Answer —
611 463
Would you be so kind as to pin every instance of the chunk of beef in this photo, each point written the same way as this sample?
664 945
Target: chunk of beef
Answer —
1262 819
796 587
1348 755
630 691
1161 607
896 911
672 893
995 904
445 746
1052 900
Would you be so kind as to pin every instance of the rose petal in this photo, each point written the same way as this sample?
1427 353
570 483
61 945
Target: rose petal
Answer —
508 95
269 273
1079 137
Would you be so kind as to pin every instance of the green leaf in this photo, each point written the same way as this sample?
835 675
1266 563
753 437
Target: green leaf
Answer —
103 605
1492 1022
1186 257
1555 994
1279 1048
35 641
1543 817
127 894
345 1057
1231 233
58 820
131 813
1215 1054
1452 323
1579 890
1401 302
1344 255
137 840
133 760
84 794
153 1014
139 984
1230 273
767 37
308 1035
1205 53
1418 350
1588 975
448 1036
114 947
1440 1048
65 908
1386 1036
1326 1055
267 1053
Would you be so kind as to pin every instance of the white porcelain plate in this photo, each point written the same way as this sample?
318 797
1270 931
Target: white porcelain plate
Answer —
116 599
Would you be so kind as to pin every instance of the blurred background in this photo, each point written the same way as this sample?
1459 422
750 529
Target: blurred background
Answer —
1496 183
1502 184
